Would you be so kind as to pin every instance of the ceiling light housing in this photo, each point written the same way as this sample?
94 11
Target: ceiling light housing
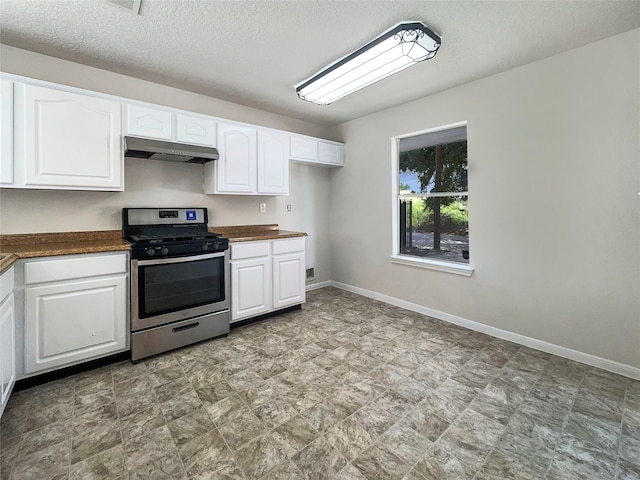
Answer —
396 49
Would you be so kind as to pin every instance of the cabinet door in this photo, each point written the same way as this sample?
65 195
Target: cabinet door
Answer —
149 122
195 130
7 350
66 322
250 287
273 163
236 170
303 148
6 132
288 280
330 153
70 141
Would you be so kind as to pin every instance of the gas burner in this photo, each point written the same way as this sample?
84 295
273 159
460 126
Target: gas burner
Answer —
169 232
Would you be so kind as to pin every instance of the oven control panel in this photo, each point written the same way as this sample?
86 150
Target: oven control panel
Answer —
168 214
153 251
179 249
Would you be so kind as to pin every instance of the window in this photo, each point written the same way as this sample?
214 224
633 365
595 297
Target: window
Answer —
431 199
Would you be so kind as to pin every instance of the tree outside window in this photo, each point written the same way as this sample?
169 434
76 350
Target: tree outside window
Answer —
433 196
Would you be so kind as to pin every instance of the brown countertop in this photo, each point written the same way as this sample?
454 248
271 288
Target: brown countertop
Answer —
31 245
251 233
6 260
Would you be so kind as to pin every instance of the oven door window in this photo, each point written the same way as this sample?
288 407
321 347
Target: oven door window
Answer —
166 288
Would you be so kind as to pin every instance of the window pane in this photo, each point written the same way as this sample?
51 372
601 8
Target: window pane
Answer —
435 168
435 228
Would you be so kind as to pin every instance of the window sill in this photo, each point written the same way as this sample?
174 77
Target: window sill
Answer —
448 267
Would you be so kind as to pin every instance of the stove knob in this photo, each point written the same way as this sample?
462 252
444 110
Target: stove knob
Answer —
205 247
164 250
151 252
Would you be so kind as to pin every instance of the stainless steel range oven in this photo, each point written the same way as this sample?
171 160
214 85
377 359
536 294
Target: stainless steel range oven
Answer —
179 279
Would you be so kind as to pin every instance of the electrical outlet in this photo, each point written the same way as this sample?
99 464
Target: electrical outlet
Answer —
263 207
288 207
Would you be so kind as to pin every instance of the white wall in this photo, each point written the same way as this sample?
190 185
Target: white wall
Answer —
153 183
554 172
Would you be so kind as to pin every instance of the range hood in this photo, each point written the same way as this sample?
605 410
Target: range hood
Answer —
136 147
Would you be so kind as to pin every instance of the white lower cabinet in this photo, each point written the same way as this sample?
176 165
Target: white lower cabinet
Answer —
75 309
7 338
288 272
251 287
266 276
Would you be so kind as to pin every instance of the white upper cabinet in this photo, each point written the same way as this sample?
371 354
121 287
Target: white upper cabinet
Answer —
304 148
6 132
165 125
273 163
331 153
235 171
57 137
149 122
66 140
252 162
195 130
315 151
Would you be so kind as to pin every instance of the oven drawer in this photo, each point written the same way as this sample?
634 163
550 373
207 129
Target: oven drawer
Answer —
174 335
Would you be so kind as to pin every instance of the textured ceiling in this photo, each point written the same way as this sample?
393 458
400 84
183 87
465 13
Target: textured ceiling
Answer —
255 52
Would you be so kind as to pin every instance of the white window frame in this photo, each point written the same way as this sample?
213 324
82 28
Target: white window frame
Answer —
396 257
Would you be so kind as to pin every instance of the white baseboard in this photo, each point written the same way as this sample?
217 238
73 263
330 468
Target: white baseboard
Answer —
315 286
587 358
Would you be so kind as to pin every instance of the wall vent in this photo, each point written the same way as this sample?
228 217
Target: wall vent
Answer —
311 274
131 5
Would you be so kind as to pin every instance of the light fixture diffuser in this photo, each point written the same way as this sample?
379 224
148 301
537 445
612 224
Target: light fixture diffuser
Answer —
396 49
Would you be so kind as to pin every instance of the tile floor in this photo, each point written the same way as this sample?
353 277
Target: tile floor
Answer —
346 388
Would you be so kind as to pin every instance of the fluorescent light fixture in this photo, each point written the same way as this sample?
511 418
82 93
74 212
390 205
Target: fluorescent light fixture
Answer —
396 49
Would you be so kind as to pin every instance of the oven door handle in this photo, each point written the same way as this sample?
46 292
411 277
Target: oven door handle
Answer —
193 258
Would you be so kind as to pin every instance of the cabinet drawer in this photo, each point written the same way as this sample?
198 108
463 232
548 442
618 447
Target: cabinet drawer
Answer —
70 267
6 284
249 250
288 246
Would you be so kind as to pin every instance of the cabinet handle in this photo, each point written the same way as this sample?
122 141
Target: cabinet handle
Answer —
185 327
